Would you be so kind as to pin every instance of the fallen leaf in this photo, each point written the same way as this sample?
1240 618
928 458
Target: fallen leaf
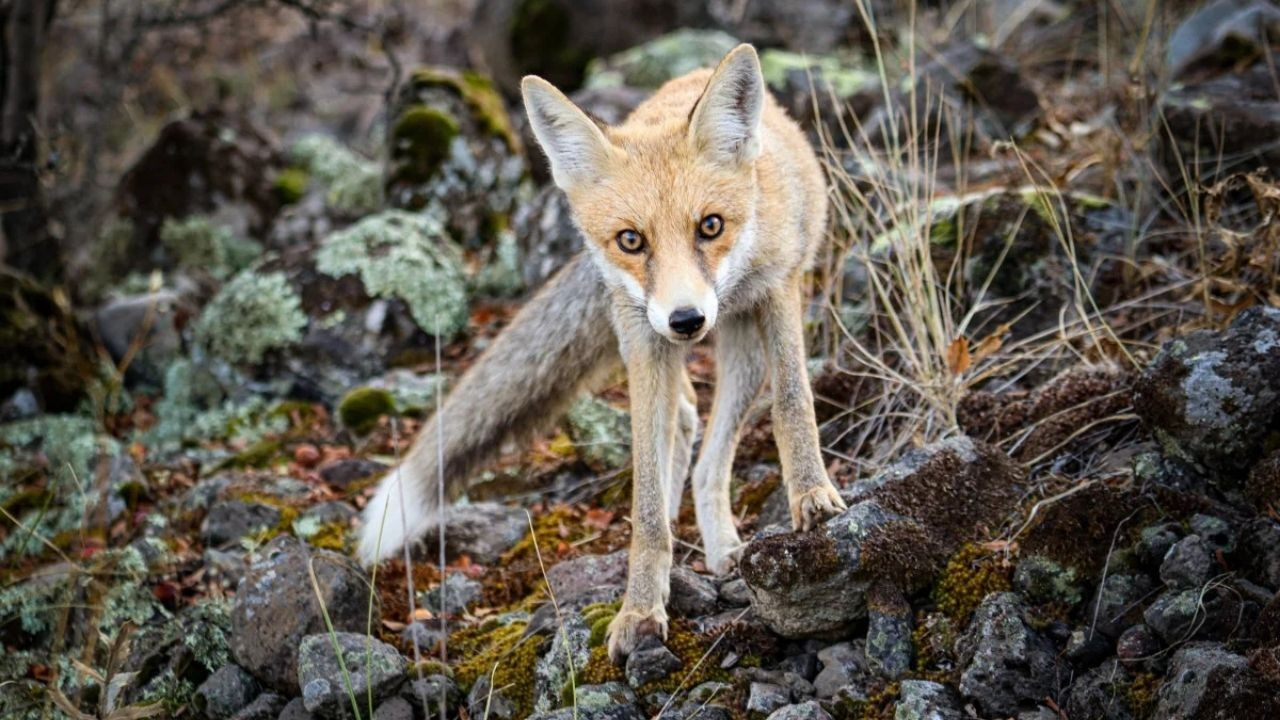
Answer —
958 358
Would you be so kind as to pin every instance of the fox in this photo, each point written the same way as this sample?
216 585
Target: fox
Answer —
702 211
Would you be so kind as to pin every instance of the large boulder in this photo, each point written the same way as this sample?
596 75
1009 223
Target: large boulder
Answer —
1213 398
899 526
286 596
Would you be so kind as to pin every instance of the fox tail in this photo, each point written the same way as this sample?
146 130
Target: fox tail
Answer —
560 343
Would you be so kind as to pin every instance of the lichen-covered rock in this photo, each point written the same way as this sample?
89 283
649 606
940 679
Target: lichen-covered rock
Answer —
601 433
599 697
1260 545
1101 693
483 531
1041 580
692 595
267 706
1173 613
1213 399
801 711
570 649
1005 664
764 698
1116 604
451 144
225 692
407 257
1188 564
890 624
351 183
457 593
661 59
483 700
334 667
252 314
899 526
1206 682
926 700
230 520
821 91
650 661
843 665
276 606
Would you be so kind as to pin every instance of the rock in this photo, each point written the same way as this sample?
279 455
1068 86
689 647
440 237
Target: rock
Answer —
612 712
457 593
276 606
802 711
267 706
692 595
426 635
1188 563
1217 534
484 702
344 473
573 577
661 59
925 700
1137 643
295 710
230 520
1116 606
483 531
395 708
811 27
372 669
146 324
451 144
1154 543
1041 580
1005 665
1220 33
889 648
900 525
1262 488
424 695
764 698
601 433
1206 681
1098 693
228 690
548 236
599 697
1173 613
735 593
1260 544
843 664
1212 398
651 660
569 652
803 665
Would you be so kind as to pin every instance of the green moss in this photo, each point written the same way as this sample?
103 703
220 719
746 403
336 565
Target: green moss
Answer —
477 90
250 316
970 575
291 184
420 142
259 454
404 256
1142 694
598 616
360 409
504 652
195 408
197 243
684 643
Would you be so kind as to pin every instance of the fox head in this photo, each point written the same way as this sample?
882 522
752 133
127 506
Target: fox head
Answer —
667 206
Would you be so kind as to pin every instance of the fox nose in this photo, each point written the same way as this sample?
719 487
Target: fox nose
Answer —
686 320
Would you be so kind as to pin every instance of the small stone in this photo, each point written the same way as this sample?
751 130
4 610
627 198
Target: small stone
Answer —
459 593
1217 533
225 692
1137 643
651 660
570 650
1004 663
803 711
424 695
843 664
306 455
580 574
804 665
925 700
1154 543
1093 694
1207 682
372 668
295 710
692 595
1085 649
483 531
599 697
426 635
1042 581
345 473
267 706
1115 607
395 708
1188 563
735 593
230 520
764 698
889 648
482 702
1173 614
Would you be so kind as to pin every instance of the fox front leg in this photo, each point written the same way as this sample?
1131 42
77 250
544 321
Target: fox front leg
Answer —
654 373
811 495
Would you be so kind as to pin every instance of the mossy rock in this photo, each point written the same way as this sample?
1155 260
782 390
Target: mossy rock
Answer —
478 91
291 184
661 59
420 141
361 408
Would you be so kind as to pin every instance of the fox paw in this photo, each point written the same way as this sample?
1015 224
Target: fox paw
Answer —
722 556
814 506
629 626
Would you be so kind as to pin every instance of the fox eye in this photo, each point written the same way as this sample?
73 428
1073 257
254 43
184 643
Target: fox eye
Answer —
710 227
630 241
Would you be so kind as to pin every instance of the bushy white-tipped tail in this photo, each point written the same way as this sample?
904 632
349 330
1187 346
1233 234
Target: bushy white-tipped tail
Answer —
399 513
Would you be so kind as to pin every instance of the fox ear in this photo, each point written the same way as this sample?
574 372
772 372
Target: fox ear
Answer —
726 121
573 142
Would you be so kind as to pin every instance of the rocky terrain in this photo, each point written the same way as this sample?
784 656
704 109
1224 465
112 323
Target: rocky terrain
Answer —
1045 349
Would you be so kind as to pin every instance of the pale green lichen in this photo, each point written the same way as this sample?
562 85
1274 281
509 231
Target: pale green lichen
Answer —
197 242
354 184
195 408
251 315
843 78
601 433
502 276
407 257
661 59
